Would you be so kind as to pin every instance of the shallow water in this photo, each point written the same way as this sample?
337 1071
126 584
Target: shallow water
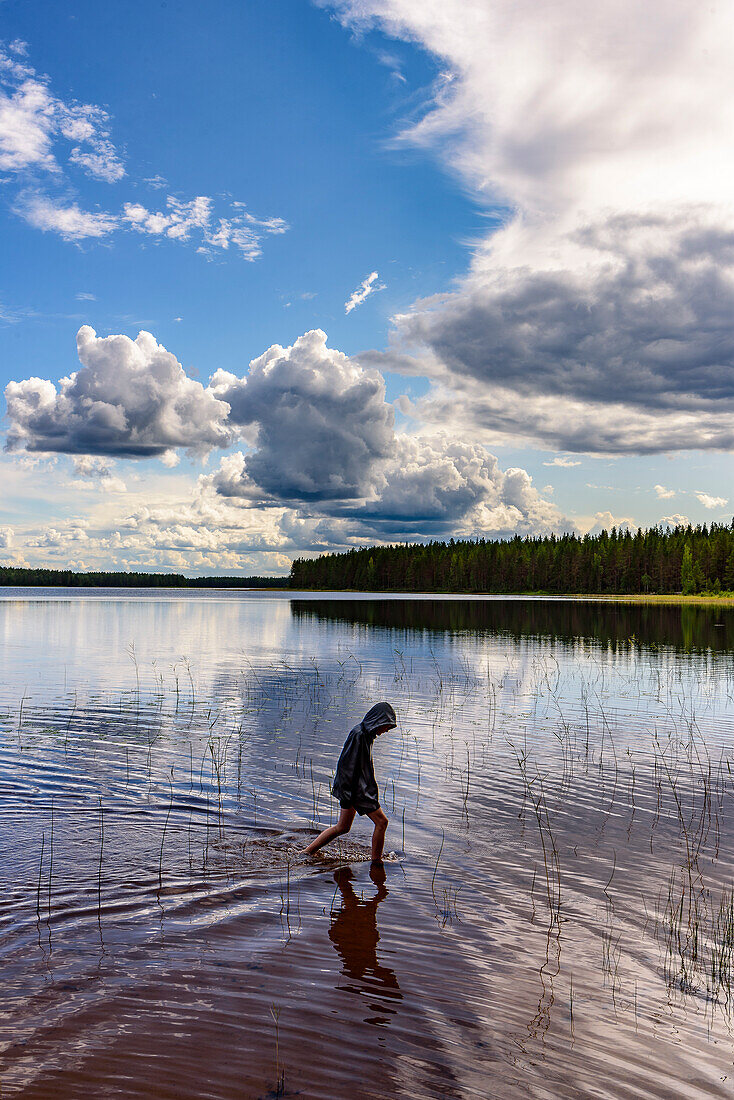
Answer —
553 915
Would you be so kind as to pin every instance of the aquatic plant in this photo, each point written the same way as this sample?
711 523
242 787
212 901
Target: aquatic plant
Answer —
279 1070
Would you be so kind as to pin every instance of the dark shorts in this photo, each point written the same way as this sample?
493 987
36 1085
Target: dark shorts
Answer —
360 810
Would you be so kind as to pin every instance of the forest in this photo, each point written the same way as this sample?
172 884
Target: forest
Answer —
67 578
685 560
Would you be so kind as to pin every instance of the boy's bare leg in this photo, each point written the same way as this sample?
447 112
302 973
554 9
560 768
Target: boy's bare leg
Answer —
378 837
343 825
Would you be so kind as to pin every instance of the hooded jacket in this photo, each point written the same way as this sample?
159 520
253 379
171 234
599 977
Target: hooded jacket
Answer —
354 783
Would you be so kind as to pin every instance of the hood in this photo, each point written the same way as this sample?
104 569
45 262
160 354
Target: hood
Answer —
381 714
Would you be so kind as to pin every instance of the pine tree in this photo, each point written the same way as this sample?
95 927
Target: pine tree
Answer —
687 580
729 573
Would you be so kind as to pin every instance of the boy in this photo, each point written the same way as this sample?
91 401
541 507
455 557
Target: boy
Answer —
354 783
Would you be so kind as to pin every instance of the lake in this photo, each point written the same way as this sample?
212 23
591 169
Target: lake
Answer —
554 917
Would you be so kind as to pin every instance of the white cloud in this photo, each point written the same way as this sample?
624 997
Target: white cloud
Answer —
366 287
270 225
564 461
663 493
98 473
604 521
51 537
599 318
69 221
177 223
130 398
44 138
34 124
711 502
101 162
6 537
181 219
26 129
85 296
184 221
576 107
676 520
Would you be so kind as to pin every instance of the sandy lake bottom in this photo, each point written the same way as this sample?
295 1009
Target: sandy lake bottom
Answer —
555 917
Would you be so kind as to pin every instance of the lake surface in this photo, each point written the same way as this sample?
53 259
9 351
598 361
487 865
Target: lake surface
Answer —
555 916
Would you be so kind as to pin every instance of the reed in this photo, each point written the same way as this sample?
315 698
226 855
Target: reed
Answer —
163 837
435 869
51 856
134 658
40 873
279 1070
99 869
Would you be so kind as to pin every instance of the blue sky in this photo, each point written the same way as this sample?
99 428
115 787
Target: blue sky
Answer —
543 341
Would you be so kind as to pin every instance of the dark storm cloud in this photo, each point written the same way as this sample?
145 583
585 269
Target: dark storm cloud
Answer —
629 349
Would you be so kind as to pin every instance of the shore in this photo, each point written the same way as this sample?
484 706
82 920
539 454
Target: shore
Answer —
725 600
718 601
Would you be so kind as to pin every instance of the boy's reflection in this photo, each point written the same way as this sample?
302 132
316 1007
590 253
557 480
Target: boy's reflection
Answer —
354 934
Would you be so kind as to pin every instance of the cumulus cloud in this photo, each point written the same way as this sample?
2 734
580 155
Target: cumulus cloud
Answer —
676 520
599 317
430 488
324 445
181 219
6 538
321 421
663 493
130 398
711 502
366 287
415 487
439 487
604 521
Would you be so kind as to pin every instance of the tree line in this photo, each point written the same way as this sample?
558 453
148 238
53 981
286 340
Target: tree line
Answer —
67 578
683 559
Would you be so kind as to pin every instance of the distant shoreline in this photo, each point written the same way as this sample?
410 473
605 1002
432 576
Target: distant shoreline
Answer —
12 577
23 577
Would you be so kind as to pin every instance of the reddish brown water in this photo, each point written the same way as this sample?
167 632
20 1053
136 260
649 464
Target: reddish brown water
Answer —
549 920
